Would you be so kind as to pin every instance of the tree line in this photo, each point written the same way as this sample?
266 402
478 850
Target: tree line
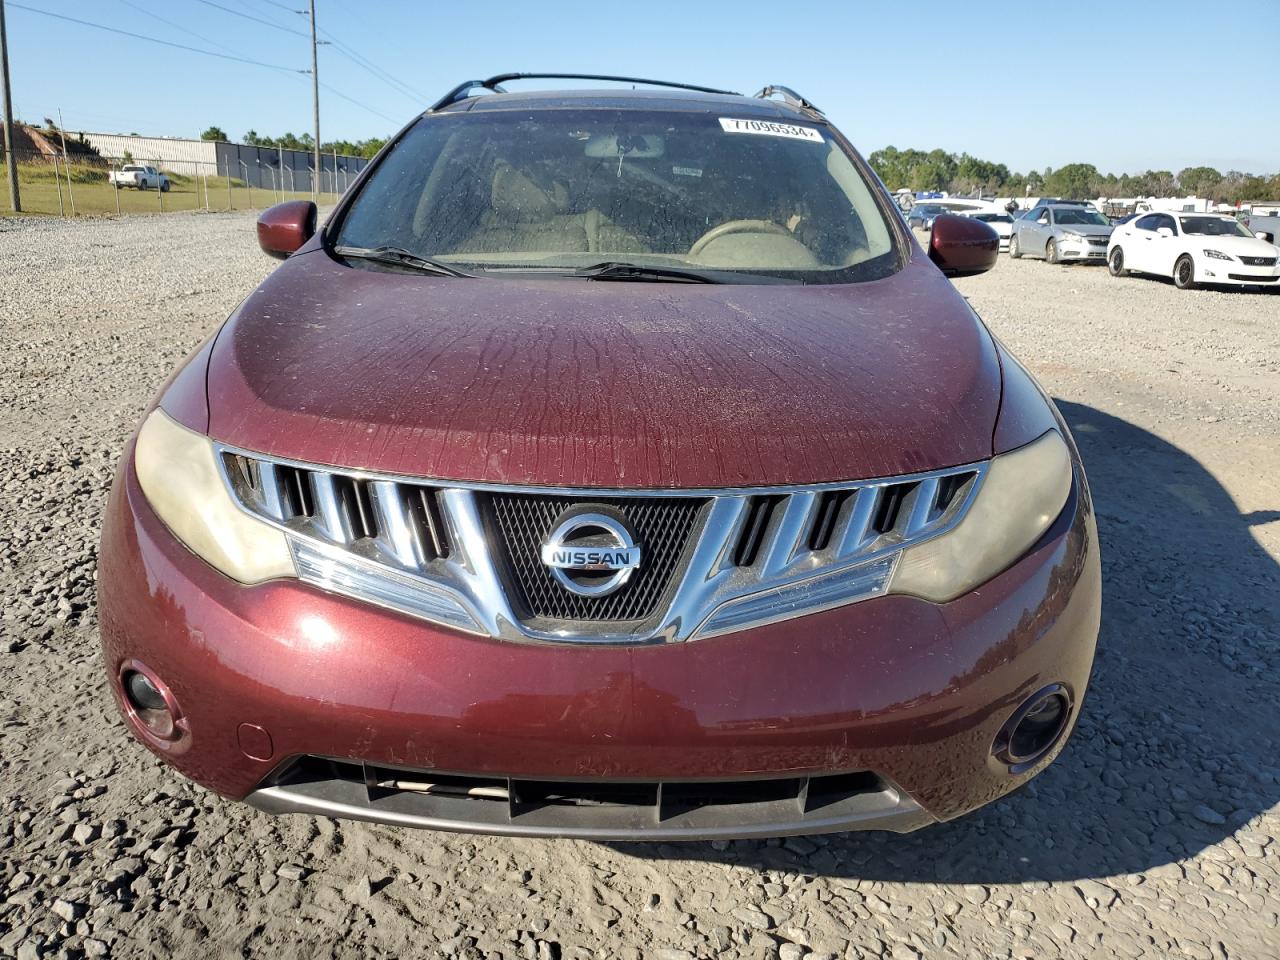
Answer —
921 170
305 142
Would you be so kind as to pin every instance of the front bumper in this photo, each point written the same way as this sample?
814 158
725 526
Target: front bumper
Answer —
1082 250
906 693
1235 273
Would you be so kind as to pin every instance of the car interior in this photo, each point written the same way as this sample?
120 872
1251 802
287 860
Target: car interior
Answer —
554 190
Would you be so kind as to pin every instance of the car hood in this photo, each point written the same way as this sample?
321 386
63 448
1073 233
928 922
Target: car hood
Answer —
1084 229
1235 246
568 382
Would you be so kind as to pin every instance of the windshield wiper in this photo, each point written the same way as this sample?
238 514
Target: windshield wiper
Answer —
401 257
620 270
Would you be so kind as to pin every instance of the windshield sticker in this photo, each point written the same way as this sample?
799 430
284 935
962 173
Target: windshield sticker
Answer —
770 129
687 171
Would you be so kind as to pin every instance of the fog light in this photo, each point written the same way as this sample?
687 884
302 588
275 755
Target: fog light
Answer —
151 707
1034 729
143 694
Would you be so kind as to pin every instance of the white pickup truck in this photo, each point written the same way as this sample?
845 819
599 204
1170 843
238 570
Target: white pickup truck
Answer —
140 177
1264 221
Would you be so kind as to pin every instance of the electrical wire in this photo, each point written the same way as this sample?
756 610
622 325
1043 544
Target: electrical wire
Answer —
283 6
164 43
266 23
177 26
364 63
363 106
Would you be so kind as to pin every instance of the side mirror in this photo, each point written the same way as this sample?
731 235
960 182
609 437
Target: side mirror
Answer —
1164 232
1261 235
962 246
284 228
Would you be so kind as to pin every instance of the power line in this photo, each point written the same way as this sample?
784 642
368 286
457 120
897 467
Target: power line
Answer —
283 6
177 26
362 106
163 43
347 51
363 62
237 13
208 53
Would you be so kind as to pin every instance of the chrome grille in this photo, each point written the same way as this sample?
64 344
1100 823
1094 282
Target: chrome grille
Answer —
714 561
398 523
663 528
1259 261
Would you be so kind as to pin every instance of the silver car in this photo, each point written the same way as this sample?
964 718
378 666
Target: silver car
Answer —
1058 232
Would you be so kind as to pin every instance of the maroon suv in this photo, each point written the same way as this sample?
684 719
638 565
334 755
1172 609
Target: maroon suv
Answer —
609 465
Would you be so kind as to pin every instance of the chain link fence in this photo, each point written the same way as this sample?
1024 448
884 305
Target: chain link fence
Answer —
89 185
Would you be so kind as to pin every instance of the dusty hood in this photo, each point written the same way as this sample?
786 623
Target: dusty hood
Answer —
605 384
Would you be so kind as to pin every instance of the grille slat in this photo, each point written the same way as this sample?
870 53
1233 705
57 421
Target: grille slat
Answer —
857 528
923 503
399 536
787 537
759 513
662 526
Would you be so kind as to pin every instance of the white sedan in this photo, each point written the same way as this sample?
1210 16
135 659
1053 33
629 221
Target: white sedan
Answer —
1192 248
1002 223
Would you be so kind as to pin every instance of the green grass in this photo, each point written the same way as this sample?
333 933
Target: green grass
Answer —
95 197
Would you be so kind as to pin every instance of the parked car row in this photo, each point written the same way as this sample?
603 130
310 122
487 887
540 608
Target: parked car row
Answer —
1190 248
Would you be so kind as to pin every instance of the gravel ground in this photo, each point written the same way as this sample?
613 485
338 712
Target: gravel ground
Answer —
1155 834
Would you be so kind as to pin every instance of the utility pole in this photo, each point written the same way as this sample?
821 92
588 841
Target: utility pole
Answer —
10 161
66 162
315 100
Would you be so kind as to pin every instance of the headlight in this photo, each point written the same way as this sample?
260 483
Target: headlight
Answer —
1022 493
1068 235
179 475
1217 255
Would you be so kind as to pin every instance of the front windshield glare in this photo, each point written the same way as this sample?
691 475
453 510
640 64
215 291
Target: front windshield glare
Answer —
1213 227
514 191
1091 217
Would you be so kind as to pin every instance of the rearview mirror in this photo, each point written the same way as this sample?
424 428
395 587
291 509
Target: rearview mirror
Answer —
640 146
962 246
284 228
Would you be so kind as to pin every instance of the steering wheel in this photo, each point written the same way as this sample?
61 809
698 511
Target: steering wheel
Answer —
737 226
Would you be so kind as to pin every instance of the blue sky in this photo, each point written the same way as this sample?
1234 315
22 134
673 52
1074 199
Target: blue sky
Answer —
1160 84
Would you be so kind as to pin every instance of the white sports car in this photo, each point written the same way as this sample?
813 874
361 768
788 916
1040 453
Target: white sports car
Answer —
1193 248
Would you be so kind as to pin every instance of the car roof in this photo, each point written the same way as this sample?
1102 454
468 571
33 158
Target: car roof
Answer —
637 99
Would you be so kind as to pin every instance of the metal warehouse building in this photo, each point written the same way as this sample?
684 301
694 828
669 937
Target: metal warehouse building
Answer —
262 167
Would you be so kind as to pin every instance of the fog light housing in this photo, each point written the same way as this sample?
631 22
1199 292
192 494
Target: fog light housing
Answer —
1034 729
151 708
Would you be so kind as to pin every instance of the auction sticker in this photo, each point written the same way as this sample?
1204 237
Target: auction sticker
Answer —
770 128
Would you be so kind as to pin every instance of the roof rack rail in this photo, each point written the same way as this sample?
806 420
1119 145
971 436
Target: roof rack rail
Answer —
494 84
788 96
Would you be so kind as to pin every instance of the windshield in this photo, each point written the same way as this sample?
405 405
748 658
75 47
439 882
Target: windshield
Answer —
1213 227
992 217
1064 215
931 209
512 191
